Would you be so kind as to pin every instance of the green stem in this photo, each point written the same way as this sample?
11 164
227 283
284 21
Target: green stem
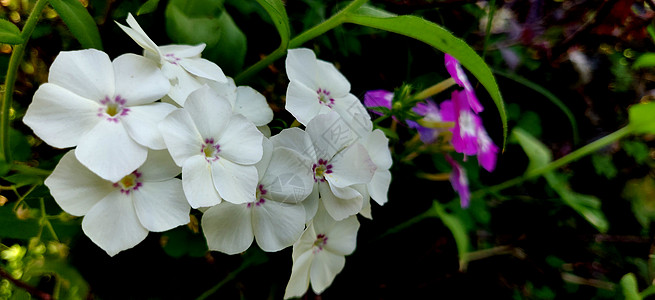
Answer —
430 213
248 262
334 21
569 158
490 18
10 80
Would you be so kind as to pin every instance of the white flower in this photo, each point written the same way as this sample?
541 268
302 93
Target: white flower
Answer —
244 100
118 215
105 108
319 254
274 217
338 163
317 87
181 64
216 149
377 145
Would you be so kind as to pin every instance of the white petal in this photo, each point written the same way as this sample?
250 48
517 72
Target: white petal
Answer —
345 192
342 236
88 73
288 178
299 280
377 145
329 134
228 228
113 225
301 66
297 140
138 35
379 186
311 204
159 166
209 112
203 68
181 136
141 123
75 188
325 267
366 211
339 208
235 183
183 51
262 165
139 80
240 141
198 183
331 79
60 117
277 225
351 166
227 90
354 114
110 152
182 82
252 105
303 103
161 205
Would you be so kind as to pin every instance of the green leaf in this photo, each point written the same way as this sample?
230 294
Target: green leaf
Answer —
21 180
456 228
629 287
440 38
637 150
13 227
278 14
539 156
19 146
646 60
73 285
641 193
79 21
181 241
641 117
604 166
148 7
9 33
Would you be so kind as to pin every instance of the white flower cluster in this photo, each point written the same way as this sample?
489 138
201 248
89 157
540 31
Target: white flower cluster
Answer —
138 122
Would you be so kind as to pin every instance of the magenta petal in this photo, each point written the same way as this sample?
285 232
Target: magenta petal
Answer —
378 98
448 111
460 182
487 151
457 73
467 124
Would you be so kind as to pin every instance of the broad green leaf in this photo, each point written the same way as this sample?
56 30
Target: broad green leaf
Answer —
539 156
19 145
9 33
13 227
230 51
456 228
20 180
148 7
181 241
629 287
278 14
440 38
79 21
641 117
646 60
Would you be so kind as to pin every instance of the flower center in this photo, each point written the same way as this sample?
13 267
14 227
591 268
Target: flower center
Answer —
325 98
171 58
129 183
321 240
321 169
113 109
259 196
210 149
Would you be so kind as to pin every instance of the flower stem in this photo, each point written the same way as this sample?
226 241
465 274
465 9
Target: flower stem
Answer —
10 80
334 21
569 158
435 89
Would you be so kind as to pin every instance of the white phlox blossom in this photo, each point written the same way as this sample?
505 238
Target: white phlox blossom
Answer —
317 87
319 254
107 109
377 145
181 64
216 149
274 216
118 215
339 163
244 100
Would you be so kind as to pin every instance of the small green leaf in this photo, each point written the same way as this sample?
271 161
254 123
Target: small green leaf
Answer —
456 228
9 33
148 7
21 180
641 117
629 287
538 154
440 38
604 166
181 241
275 9
79 21
636 149
646 60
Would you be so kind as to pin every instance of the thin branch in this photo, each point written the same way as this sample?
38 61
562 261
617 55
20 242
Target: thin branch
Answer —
30 289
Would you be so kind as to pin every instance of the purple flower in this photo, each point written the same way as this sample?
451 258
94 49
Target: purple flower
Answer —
456 72
460 182
487 150
467 125
378 98
430 112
